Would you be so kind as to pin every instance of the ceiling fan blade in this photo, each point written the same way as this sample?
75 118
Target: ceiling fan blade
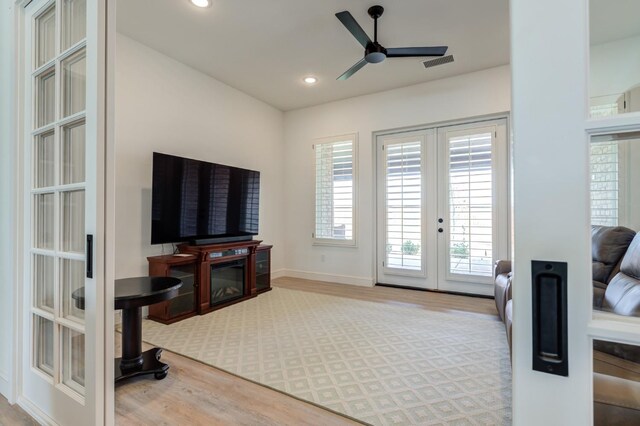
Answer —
354 69
407 52
354 28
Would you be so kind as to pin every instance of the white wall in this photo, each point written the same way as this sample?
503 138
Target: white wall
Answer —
163 105
469 95
615 66
7 197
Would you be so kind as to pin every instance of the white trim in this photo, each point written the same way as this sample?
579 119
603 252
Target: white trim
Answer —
108 397
35 412
332 278
278 273
5 385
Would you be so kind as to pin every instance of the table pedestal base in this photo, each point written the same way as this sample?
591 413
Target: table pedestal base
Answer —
150 365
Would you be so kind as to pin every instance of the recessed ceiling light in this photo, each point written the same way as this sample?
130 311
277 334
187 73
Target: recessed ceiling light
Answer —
201 3
310 80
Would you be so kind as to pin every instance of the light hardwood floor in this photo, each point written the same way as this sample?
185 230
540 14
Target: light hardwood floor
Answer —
194 393
197 394
12 415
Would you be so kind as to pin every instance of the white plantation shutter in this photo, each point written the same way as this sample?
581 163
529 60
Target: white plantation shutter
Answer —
404 205
335 190
470 204
604 165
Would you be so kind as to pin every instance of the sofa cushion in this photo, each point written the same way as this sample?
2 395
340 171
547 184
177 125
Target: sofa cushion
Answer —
608 244
501 291
630 264
622 295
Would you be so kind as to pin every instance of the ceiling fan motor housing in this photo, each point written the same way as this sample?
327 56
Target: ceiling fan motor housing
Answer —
375 53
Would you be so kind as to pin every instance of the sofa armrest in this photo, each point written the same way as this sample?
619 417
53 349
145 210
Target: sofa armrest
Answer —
501 267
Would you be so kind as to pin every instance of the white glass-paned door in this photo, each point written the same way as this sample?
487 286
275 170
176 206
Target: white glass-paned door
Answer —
60 374
442 206
406 201
473 186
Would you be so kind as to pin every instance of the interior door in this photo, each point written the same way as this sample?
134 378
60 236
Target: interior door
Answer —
472 205
63 334
442 206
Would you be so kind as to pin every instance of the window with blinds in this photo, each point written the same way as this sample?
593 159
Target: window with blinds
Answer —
604 165
403 205
335 190
470 204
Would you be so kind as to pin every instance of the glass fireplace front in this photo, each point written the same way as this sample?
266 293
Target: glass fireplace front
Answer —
227 281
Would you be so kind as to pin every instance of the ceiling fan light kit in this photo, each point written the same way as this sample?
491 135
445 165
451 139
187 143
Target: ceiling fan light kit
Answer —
374 52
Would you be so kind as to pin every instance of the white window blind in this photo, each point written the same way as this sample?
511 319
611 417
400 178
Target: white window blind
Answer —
605 183
404 205
335 190
471 205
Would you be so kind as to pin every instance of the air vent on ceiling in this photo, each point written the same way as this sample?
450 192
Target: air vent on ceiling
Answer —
438 61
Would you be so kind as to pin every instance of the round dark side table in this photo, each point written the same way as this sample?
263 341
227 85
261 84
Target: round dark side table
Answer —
131 294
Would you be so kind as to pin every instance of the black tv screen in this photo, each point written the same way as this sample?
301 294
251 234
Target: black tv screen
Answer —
199 201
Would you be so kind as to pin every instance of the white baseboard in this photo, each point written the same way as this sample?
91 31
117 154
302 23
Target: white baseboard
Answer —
278 273
32 410
5 389
332 278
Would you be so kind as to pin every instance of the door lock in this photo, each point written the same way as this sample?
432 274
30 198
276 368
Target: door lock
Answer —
440 230
440 220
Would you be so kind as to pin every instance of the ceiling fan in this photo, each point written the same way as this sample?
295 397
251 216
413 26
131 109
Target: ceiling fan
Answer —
374 52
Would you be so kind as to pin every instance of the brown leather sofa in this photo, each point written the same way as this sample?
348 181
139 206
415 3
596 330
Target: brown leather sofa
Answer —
616 287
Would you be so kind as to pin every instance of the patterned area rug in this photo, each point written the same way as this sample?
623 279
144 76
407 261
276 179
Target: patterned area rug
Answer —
378 363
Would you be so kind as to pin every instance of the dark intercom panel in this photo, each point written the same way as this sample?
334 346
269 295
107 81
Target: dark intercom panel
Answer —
549 298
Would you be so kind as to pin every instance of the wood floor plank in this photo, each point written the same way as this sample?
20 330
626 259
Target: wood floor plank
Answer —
197 394
12 415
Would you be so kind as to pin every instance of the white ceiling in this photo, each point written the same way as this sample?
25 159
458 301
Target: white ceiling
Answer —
613 20
265 47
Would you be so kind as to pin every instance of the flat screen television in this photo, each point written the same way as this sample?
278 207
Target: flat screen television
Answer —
202 202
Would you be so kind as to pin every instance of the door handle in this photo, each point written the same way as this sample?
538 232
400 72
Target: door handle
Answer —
89 261
440 230
440 220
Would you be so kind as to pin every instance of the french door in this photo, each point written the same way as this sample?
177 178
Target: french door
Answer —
63 316
442 206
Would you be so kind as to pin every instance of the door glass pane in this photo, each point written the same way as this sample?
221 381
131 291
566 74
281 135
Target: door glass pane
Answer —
73 83
71 278
74 22
470 205
73 359
46 101
72 232
45 36
44 216
43 355
616 383
404 206
614 31
615 221
43 278
44 153
73 153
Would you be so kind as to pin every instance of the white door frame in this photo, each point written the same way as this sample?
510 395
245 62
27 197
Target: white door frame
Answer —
101 14
550 93
504 251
